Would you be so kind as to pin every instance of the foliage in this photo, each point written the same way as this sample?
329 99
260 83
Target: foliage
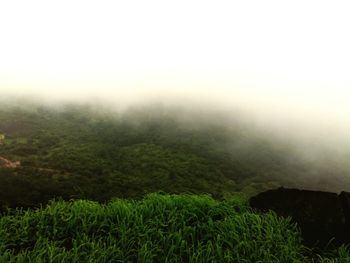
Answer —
78 151
159 228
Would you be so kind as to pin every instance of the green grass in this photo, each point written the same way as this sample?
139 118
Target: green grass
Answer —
158 228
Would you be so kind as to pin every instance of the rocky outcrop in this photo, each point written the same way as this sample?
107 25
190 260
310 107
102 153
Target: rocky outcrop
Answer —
4 163
323 218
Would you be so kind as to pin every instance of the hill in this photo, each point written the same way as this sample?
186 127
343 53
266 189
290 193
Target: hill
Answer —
95 152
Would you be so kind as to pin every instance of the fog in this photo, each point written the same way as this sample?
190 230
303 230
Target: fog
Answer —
318 138
323 117
282 68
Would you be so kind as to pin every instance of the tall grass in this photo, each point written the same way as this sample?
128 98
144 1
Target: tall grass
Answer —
159 228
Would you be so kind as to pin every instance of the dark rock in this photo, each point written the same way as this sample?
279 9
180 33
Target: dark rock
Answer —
345 201
323 218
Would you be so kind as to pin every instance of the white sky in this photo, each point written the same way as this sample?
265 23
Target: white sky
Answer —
282 53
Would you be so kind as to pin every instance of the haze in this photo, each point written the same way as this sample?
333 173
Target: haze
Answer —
281 61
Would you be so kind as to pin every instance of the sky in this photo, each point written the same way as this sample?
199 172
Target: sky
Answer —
287 56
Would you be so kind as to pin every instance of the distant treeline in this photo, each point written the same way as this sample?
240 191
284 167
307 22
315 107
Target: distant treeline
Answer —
82 152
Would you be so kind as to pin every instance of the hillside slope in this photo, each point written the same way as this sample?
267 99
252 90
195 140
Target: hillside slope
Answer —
82 151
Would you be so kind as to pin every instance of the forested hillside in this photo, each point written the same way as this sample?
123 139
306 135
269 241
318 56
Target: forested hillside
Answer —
79 151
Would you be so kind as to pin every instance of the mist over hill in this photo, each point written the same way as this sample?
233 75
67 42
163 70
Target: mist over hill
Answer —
100 151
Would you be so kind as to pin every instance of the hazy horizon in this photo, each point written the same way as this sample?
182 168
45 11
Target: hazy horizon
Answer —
286 64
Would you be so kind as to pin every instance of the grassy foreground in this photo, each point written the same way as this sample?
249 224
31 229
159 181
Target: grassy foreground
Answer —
158 228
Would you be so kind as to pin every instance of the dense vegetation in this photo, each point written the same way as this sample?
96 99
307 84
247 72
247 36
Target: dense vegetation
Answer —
83 151
159 228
